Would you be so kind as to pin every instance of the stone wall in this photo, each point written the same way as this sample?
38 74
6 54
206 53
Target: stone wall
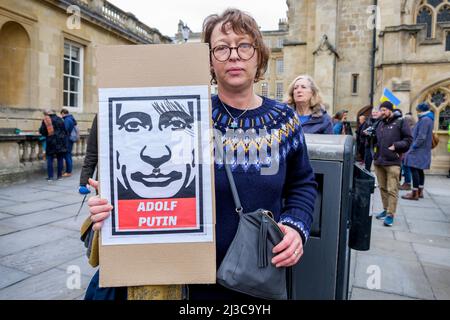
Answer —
32 38
354 46
23 155
42 28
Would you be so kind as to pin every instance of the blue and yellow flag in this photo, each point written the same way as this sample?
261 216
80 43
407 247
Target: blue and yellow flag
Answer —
389 96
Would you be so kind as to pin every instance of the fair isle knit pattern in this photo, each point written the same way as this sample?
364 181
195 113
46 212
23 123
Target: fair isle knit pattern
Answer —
270 135
257 135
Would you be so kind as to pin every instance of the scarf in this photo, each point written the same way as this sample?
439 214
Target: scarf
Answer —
49 126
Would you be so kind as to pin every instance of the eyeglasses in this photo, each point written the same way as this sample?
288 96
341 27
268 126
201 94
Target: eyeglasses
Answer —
245 51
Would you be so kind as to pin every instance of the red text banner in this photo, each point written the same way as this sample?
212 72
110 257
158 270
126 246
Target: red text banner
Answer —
157 214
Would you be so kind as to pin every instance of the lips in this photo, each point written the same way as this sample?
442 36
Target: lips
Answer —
235 70
156 180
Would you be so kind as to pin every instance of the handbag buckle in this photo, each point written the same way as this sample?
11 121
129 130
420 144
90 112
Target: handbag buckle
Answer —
269 213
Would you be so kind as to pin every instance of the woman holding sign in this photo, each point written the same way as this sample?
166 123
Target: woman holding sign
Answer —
281 180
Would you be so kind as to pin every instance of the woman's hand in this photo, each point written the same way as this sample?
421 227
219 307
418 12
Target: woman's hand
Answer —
99 209
289 250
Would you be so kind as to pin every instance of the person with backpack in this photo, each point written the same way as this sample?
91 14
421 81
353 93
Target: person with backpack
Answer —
393 138
52 128
73 135
418 157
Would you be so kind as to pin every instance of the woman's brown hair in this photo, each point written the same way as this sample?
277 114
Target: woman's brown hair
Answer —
241 23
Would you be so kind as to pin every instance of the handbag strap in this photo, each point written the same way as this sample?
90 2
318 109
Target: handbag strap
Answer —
234 192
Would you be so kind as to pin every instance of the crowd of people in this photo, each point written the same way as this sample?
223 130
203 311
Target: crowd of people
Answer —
400 147
395 145
60 134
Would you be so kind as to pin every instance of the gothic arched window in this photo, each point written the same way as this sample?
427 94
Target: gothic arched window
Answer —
425 16
447 42
444 118
439 101
438 98
435 3
444 14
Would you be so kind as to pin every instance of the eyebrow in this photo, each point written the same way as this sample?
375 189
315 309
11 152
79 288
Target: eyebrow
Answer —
170 106
239 38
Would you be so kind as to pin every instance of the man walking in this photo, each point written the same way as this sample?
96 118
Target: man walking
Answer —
393 137
69 124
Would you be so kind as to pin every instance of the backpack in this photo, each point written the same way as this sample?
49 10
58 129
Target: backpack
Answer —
434 140
75 134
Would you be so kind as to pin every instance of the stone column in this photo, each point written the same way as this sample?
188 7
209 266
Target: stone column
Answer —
40 151
96 5
33 150
131 22
324 57
26 152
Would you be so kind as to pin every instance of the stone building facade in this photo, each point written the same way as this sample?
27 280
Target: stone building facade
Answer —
273 84
47 61
354 49
48 55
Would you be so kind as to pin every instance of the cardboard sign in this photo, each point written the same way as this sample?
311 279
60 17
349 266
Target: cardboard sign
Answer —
155 164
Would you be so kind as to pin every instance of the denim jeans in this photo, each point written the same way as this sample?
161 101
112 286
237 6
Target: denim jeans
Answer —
406 173
50 158
68 157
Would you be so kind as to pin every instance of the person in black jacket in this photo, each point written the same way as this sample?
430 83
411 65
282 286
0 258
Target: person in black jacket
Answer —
52 128
91 158
393 138
361 138
369 130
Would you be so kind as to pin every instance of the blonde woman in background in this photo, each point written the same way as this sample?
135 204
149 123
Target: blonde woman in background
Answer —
304 97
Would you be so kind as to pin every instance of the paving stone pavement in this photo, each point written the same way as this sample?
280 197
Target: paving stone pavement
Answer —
41 255
412 257
40 246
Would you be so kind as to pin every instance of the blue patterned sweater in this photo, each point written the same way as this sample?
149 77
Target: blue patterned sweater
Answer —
289 192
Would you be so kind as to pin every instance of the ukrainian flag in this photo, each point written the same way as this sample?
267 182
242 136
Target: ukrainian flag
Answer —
389 96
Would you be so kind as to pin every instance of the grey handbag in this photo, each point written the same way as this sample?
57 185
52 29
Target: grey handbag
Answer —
247 266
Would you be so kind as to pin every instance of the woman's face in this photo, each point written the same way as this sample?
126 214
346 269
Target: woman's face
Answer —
234 73
147 134
302 91
362 119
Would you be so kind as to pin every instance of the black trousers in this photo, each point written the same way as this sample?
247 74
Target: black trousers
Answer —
368 158
418 178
